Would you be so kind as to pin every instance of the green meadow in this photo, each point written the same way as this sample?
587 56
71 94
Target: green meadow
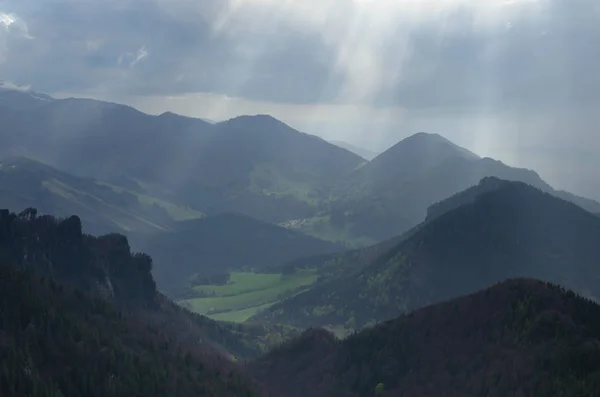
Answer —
248 293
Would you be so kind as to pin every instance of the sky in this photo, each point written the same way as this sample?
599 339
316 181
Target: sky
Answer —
517 80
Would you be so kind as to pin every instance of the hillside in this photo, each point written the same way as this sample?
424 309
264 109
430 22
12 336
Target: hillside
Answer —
103 207
55 341
218 244
391 194
258 166
512 231
255 165
518 338
104 267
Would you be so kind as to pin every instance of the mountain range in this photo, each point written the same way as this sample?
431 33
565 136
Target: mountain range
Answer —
253 165
494 231
239 211
90 305
392 193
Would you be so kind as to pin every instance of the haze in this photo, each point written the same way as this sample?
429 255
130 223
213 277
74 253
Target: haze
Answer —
514 80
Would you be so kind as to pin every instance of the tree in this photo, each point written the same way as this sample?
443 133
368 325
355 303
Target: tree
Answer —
380 390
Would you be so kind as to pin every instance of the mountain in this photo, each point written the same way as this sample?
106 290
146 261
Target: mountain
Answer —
16 98
362 152
490 184
56 341
103 207
258 166
218 244
391 194
514 230
105 268
518 338
255 165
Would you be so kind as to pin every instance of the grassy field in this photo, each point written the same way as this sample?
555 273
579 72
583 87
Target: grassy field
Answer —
248 293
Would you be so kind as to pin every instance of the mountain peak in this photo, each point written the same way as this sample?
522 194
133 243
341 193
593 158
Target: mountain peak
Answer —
427 141
426 135
415 154
424 145
256 120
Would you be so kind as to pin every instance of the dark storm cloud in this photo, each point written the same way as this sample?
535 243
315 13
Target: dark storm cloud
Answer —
538 54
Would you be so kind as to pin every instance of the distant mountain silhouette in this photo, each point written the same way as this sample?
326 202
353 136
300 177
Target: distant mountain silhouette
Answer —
391 194
255 165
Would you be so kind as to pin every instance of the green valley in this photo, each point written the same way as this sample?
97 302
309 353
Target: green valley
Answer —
247 293
261 198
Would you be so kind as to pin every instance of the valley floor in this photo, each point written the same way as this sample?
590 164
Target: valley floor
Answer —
247 293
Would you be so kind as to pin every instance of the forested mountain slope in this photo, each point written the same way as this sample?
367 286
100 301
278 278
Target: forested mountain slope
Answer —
104 267
57 342
512 231
518 338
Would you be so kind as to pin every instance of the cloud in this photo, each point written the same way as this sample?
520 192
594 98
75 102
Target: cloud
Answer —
9 86
498 75
12 30
414 54
132 58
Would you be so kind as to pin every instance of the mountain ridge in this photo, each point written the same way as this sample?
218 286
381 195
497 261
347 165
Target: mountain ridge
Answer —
512 231
392 193
507 339
256 165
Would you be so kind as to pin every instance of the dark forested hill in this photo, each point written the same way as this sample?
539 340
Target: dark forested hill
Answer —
391 194
512 231
58 248
221 243
105 267
57 342
519 338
